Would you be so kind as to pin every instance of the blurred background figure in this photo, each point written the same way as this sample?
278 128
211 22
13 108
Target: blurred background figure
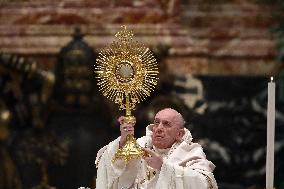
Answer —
9 176
215 59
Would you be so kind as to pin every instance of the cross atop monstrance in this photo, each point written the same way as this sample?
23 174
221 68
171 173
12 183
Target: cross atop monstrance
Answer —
127 74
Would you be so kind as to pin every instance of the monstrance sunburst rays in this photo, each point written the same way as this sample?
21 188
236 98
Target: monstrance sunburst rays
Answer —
126 71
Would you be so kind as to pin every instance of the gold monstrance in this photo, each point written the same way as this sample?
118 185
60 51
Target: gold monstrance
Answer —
127 73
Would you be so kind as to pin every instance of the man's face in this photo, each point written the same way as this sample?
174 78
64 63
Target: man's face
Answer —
166 129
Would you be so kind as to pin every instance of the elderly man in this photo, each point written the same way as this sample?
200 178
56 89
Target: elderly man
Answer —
175 162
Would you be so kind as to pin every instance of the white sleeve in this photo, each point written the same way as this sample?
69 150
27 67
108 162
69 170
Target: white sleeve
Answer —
106 176
113 175
177 177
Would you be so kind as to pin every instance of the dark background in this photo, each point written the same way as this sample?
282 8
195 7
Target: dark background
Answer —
215 61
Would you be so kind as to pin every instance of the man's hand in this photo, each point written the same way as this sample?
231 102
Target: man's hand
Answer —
154 160
125 129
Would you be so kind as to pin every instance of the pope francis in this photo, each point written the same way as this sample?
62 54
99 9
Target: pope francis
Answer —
175 162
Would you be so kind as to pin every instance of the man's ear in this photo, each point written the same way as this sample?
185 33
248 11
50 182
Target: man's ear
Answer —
181 133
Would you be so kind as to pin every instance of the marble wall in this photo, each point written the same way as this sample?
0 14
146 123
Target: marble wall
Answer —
215 58
224 37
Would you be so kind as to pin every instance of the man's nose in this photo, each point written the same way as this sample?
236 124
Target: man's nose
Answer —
160 126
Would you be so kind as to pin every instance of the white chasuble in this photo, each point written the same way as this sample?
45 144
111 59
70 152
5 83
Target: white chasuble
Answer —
185 167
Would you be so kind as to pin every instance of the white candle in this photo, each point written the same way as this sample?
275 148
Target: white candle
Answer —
270 135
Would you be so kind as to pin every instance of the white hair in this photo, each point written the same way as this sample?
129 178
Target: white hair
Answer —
178 117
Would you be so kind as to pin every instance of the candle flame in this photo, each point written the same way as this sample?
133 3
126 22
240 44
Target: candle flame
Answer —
271 78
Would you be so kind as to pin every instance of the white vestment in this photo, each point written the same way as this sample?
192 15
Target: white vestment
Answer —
184 167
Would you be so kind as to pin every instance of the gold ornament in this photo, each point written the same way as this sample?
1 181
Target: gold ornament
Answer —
127 73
